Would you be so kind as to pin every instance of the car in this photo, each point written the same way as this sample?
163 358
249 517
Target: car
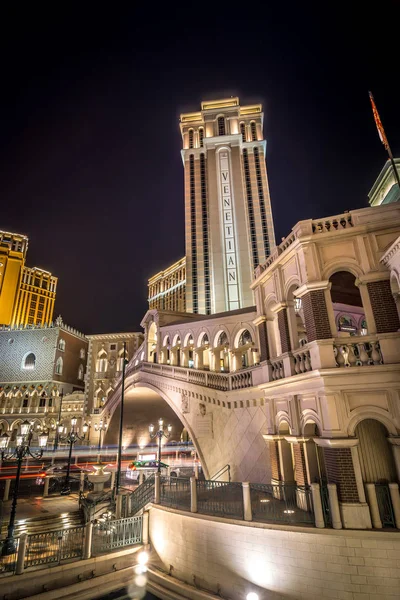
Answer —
147 467
60 471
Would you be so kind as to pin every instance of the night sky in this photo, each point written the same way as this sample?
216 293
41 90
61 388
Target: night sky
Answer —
90 145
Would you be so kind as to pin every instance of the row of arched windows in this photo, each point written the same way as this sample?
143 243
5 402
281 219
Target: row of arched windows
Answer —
250 136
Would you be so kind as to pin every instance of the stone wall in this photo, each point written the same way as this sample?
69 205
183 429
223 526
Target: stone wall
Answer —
275 561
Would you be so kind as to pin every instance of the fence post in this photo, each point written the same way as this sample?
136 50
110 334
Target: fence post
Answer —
193 495
395 496
46 487
373 505
334 506
317 504
118 507
247 512
87 550
157 488
23 540
6 490
112 480
145 528
140 477
196 471
82 482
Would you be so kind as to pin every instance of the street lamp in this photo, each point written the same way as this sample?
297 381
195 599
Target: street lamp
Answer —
70 438
160 433
20 451
86 429
57 436
100 427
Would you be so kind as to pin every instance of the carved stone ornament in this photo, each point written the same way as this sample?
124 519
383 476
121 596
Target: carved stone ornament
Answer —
185 404
203 409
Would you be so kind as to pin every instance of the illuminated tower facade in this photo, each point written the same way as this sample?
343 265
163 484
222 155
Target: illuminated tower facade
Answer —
27 295
228 219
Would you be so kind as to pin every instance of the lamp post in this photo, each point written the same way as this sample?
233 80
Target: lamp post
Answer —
70 438
88 426
121 423
160 433
20 451
56 437
100 427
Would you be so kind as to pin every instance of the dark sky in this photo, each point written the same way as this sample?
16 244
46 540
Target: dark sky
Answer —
90 144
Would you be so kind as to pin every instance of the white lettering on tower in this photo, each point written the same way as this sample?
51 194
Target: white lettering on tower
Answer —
229 231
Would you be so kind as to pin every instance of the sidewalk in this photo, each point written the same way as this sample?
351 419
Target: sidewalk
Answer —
39 507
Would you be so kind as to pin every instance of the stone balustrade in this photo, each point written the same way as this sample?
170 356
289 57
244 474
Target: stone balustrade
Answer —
336 223
358 352
302 361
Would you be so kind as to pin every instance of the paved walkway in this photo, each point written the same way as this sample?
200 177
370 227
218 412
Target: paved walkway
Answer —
39 507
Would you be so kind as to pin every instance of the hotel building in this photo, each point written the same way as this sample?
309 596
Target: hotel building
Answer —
27 295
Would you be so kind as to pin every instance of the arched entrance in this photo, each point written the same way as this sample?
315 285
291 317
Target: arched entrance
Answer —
377 464
152 343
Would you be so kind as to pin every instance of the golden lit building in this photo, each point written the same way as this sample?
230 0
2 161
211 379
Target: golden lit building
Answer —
167 289
27 295
228 220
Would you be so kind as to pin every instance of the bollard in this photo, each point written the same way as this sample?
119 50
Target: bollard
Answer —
118 507
87 551
23 540
395 496
46 487
373 505
6 490
145 528
196 471
82 482
334 506
157 488
247 512
141 478
317 503
193 495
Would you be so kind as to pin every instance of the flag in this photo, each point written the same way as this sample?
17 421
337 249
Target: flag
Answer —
378 123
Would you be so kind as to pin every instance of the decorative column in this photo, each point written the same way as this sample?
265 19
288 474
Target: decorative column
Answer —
281 462
343 468
383 306
301 472
318 310
283 327
395 442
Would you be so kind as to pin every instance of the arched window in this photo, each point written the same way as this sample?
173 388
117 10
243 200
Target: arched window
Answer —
243 131
222 339
61 345
253 131
201 137
120 360
221 126
191 138
82 353
245 338
59 366
101 362
204 340
29 362
80 372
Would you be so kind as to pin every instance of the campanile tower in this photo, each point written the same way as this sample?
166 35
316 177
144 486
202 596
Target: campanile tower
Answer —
228 219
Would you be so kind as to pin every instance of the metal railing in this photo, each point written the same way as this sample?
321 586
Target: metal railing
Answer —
221 472
8 563
142 495
54 546
175 492
89 507
117 534
220 498
281 503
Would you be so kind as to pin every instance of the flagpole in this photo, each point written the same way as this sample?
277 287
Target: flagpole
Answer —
383 138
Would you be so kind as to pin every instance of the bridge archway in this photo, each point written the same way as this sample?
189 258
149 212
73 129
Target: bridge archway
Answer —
145 404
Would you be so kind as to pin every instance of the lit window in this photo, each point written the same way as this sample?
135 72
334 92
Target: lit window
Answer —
253 131
221 126
201 137
61 345
82 353
59 366
243 131
190 138
80 372
29 362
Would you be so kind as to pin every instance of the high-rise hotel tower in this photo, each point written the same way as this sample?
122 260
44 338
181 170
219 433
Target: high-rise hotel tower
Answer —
228 220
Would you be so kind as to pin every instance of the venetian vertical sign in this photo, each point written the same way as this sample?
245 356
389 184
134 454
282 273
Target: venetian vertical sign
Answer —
231 272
